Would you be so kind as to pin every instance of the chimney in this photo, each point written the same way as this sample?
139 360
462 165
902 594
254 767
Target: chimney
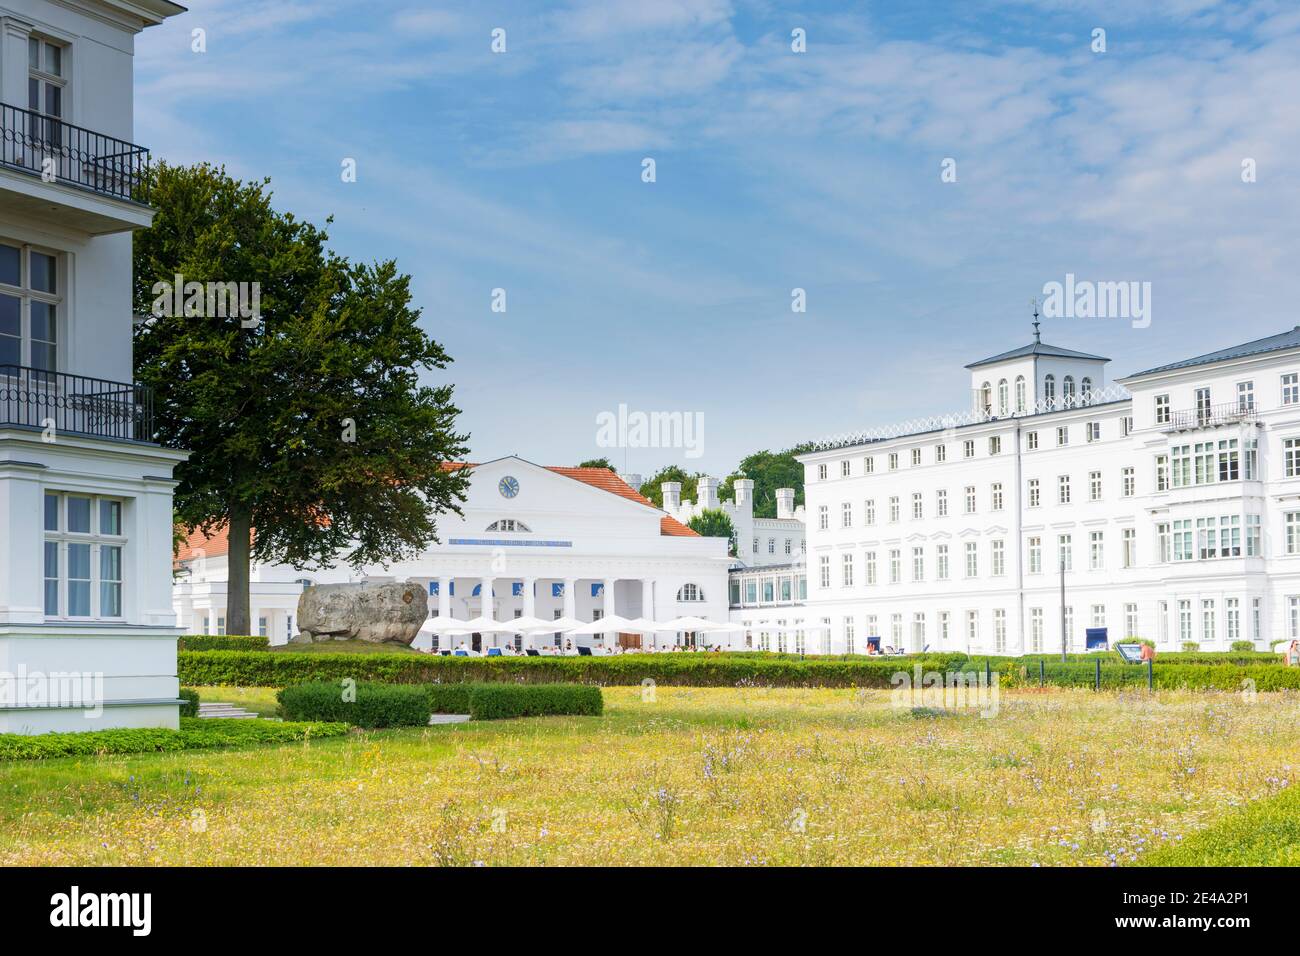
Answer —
707 492
672 496
744 495
785 502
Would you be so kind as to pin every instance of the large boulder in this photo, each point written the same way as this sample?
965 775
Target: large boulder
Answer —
373 612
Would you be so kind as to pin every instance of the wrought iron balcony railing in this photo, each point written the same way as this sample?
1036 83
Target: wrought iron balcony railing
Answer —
75 404
57 151
1208 416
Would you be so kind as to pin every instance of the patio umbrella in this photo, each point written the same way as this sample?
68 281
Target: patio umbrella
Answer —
689 623
606 625
442 625
486 625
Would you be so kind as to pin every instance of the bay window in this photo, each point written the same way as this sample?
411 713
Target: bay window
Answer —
83 556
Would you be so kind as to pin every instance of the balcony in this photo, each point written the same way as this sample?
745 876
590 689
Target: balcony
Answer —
1210 416
75 404
72 176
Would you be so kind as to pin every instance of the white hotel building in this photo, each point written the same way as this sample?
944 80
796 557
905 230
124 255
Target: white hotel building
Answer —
1170 498
85 495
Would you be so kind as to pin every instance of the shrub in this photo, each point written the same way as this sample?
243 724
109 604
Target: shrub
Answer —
449 698
499 701
191 706
194 734
372 705
221 642
1191 646
1243 646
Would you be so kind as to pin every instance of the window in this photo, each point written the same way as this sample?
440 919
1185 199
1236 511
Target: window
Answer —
995 444
917 507
1162 410
771 545
823 518
263 627
824 566
869 511
508 524
788 543
941 503
972 559
1256 619
940 454
1128 482
45 85
970 499
1031 441
1093 432
83 556
846 468
986 398
972 629
1291 457
1162 472
1290 388
895 566
846 569
1063 490
1094 486
1245 396
1064 552
1099 615
1229 463
756 546
1034 495
968 448
998 553
1162 543
1035 555
846 515
1063 435
221 625
821 472
870 565
1293 532
29 307
1020 394
916 457
1130 620
999 631
1202 405
941 562
1068 615
944 619
893 461
1129 536
1208 631
1004 398
1126 426
1184 621
868 465
1036 630
1232 618
1096 550
996 495
690 592
1067 389
893 509
918 564
1049 388
848 635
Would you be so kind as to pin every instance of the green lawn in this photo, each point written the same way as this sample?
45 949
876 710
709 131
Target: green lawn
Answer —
694 776
1265 833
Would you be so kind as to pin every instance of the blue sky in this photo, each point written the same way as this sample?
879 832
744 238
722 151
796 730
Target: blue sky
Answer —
775 171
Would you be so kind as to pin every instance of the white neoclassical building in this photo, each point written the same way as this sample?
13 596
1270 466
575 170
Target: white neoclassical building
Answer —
1166 505
85 497
759 541
532 541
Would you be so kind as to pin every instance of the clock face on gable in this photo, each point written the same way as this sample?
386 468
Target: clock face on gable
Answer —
508 486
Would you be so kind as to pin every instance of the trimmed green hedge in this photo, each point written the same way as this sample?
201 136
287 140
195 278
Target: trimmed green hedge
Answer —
375 705
501 701
271 669
191 706
194 734
221 642
449 698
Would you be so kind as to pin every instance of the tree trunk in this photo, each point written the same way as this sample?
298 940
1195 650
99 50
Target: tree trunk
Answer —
237 559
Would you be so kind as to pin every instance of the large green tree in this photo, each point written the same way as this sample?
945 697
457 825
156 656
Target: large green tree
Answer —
769 471
715 523
309 423
652 486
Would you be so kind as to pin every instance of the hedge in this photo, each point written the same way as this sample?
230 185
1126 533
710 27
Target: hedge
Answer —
194 734
191 706
372 705
221 642
500 701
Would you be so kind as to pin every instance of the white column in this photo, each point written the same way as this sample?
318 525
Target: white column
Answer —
485 591
571 597
444 597
530 598
647 606
608 596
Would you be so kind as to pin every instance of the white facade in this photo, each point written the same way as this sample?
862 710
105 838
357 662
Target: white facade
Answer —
759 541
85 498
542 542
1175 510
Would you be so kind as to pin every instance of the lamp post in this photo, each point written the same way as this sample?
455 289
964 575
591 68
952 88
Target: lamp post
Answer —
1064 636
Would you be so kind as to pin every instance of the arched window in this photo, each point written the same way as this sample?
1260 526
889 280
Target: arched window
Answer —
1049 388
1067 387
1085 386
986 398
690 592
509 524
1004 398
1020 393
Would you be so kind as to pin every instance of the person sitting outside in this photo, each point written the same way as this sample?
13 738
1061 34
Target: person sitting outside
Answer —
1148 653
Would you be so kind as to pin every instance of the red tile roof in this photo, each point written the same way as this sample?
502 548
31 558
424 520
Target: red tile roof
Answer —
210 546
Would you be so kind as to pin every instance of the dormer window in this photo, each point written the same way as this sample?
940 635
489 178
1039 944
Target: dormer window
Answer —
509 524
29 306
